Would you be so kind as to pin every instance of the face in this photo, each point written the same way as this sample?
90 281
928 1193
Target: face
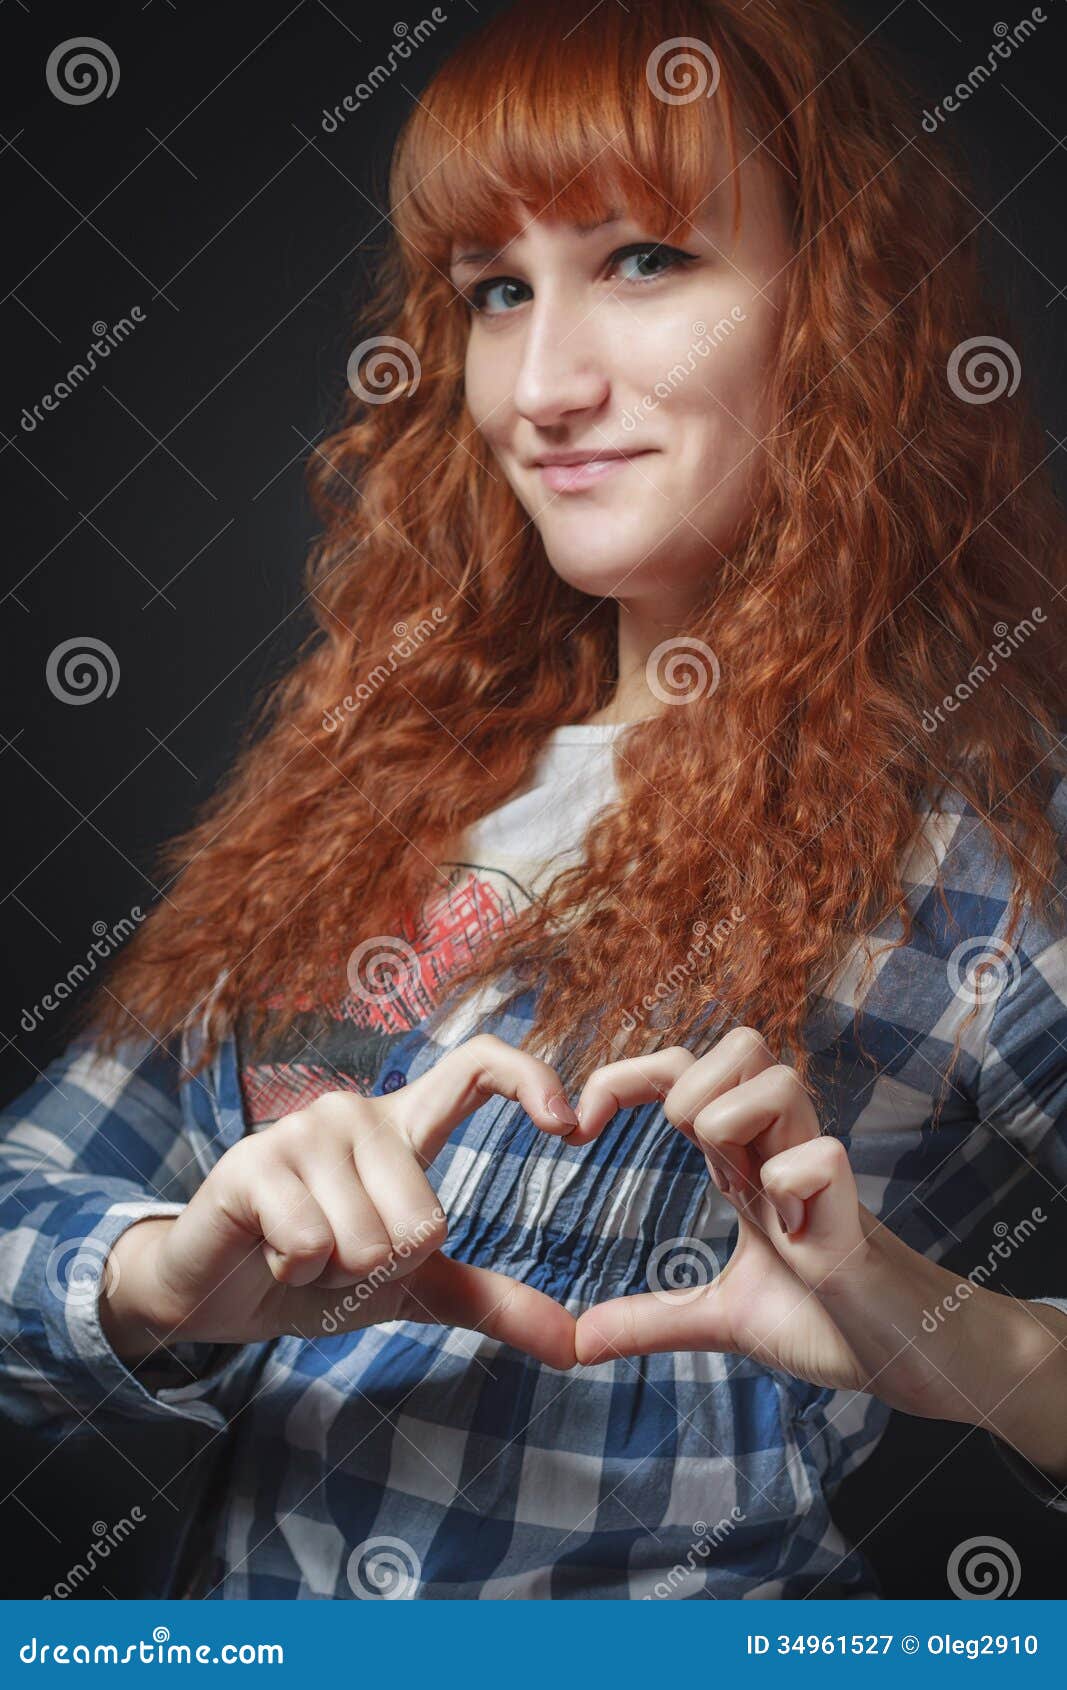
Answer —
642 364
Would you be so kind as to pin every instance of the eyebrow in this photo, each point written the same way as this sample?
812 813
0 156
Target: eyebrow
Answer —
485 255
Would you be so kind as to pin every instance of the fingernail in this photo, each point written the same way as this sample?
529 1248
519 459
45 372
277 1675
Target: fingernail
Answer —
720 1179
790 1213
560 1109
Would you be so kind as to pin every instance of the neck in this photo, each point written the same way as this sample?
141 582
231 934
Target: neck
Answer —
639 633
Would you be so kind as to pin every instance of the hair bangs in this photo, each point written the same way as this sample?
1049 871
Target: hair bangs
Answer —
579 125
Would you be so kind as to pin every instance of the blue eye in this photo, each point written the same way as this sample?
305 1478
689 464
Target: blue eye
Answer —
670 254
480 293
671 257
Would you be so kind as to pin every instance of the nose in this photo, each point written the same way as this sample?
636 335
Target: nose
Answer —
561 369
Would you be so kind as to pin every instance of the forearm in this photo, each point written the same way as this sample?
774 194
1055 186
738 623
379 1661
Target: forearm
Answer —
1023 1398
123 1319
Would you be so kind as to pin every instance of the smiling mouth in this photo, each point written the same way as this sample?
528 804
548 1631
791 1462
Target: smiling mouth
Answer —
572 478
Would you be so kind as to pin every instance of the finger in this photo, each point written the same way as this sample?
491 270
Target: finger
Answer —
279 1214
362 1243
813 1190
454 1293
624 1085
431 1107
409 1209
652 1321
755 1121
684 1081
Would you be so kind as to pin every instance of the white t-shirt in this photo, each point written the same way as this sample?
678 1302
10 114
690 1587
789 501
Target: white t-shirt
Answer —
495 868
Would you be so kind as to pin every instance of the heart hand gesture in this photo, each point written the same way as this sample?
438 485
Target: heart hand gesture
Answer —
817 1286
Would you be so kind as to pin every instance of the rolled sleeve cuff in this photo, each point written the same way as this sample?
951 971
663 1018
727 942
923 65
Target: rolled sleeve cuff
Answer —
175 1382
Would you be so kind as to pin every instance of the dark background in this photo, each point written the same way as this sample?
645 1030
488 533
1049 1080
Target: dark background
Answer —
161 509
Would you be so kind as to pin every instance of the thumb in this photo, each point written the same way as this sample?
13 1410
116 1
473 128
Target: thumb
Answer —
452 1293
652 1321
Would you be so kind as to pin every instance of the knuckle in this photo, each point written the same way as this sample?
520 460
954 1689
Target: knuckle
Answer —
297 1128
424 1232
673 1051
485 1045
830 1152
365 1259
233 1163
744 1039
782 1080
306 1242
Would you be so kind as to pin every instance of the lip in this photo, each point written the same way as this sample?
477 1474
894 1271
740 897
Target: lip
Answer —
573 477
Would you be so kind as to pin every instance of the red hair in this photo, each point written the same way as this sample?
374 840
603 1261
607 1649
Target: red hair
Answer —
894 526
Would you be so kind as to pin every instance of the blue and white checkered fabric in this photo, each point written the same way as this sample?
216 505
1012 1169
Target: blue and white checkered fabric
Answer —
465 1466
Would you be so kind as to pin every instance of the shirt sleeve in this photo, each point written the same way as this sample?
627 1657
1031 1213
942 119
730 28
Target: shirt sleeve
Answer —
1022 1094
90 1148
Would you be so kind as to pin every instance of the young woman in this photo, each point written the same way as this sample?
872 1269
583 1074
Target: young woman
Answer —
680 741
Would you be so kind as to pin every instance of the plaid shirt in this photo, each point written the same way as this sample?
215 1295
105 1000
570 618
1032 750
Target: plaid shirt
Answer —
433 1462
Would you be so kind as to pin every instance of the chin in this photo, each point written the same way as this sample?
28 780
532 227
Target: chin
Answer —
607 574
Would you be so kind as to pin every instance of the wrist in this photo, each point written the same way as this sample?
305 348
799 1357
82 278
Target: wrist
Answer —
127 1316
1026 1388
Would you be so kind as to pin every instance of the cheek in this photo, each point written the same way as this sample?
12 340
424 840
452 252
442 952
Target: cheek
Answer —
730 383
487 388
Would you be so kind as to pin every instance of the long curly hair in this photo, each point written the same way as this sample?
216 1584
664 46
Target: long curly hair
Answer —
898 527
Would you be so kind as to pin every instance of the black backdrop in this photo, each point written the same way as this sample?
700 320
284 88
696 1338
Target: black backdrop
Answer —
160 509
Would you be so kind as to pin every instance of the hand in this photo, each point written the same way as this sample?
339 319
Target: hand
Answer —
816 1286
331 1196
